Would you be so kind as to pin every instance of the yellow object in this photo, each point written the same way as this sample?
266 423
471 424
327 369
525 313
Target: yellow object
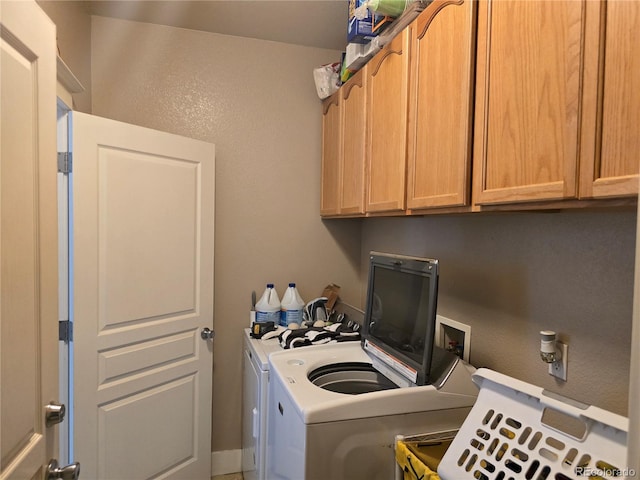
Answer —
346 74
420 461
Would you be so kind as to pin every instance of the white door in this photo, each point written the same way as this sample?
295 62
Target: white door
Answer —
142 269
28 239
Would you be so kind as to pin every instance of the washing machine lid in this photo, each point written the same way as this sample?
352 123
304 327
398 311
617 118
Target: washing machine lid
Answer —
400 314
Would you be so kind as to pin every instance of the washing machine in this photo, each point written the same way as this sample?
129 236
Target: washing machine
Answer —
334 412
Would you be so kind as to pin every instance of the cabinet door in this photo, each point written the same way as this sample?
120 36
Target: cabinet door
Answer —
439 156
527 100
387 88
353 145
330 175
611 119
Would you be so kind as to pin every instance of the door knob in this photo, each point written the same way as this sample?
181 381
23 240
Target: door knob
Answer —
207 334
55 472
54 414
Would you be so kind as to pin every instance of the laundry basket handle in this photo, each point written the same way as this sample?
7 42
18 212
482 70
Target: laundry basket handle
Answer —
552 400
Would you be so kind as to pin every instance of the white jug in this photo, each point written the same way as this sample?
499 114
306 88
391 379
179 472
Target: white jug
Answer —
292 307
268 307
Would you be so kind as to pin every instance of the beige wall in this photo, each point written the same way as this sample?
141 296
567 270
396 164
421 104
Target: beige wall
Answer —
73 29
256 101
509 276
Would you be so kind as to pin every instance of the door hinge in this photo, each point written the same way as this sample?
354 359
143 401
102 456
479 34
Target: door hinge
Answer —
65 331
65 162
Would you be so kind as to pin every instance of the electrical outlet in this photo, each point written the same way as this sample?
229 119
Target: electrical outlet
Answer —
559 369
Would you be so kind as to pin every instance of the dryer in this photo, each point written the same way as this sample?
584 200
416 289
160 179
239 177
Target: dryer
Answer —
254 403
334 411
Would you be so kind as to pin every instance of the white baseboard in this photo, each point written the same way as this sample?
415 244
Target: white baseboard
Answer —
226 461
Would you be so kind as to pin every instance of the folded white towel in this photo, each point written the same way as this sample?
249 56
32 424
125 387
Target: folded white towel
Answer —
273 333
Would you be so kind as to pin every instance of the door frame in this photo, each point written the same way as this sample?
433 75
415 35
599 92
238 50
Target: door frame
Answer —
65 436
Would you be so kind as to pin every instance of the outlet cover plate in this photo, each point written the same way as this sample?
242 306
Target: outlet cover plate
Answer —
465 329
559 369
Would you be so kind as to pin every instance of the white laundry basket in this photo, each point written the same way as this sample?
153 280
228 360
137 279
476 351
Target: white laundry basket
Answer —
519 431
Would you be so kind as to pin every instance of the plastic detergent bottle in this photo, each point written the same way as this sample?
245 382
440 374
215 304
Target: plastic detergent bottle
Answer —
268 307
292 305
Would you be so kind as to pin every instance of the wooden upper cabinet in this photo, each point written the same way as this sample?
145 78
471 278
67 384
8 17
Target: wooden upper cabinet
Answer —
529 67
353 106
440 105
610 156
331 140
387 95
552 119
